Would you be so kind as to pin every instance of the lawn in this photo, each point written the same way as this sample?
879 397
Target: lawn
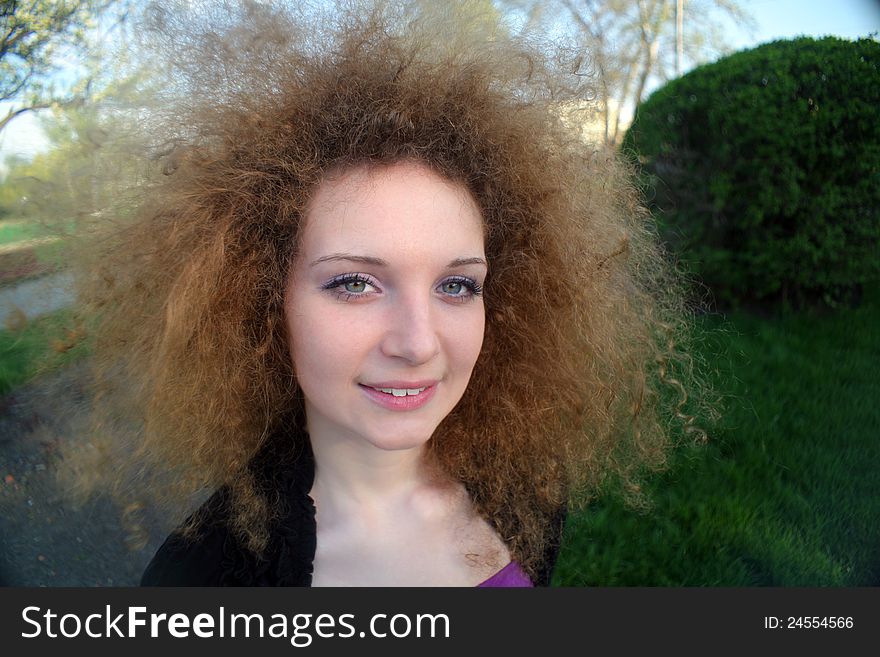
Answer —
19 230
29 248
785 493
39 346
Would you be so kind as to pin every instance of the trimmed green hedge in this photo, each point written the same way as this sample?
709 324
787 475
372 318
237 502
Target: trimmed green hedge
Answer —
763 170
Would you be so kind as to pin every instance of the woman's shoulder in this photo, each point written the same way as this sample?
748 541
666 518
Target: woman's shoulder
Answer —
212 554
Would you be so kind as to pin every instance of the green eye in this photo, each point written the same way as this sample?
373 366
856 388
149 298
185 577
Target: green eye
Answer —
355 287
459 288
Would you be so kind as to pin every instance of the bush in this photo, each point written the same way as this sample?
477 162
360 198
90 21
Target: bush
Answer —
764 171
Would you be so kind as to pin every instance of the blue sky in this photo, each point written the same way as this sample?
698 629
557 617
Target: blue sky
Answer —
778 19
787 19
775 19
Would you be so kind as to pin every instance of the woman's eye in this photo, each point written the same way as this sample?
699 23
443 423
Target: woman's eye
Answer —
460 288
350 286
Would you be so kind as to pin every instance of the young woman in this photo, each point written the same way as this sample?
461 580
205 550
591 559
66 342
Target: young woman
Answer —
390 307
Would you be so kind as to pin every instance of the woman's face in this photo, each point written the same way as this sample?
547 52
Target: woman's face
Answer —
383 304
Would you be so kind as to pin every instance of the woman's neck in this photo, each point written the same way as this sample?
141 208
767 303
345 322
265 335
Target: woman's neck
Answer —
351 472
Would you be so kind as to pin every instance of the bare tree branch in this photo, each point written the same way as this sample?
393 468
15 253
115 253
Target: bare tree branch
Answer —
31 36
632 43
22 110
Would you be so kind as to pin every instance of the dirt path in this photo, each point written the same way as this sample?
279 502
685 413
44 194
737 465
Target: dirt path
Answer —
45 540
35 297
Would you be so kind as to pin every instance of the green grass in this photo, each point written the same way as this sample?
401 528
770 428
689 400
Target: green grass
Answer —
786 492
20 258
37 347
17 230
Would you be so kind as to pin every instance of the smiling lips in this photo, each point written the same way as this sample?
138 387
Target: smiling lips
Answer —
400 397
401 392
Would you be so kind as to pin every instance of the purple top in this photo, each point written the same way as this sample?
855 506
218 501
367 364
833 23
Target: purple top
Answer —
509 576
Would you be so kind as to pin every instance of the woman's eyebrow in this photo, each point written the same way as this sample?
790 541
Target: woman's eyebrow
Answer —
378 262
459 262
333 257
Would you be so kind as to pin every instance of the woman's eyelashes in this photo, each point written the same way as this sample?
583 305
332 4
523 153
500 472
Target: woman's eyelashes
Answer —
460 288
349 287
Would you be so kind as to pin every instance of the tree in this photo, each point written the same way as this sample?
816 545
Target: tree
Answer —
34 35
631 42
777 202
96 156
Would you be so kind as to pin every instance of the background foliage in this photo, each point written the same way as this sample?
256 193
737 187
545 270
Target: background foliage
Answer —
764 170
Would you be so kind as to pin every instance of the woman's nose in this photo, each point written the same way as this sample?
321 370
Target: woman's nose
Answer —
411 333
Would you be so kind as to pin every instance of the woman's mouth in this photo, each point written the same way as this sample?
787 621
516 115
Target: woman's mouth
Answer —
400 392
400 398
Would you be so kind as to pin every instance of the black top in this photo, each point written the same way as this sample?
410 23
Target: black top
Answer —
216 557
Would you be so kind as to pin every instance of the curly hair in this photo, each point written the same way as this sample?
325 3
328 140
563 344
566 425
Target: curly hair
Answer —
584 314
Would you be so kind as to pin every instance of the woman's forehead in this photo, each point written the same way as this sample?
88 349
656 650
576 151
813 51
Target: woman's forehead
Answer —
404 206
361 182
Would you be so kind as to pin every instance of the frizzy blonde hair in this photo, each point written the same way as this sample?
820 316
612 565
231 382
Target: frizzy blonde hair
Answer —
584 315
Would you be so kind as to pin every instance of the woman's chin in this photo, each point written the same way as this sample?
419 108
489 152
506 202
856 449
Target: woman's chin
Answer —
399 442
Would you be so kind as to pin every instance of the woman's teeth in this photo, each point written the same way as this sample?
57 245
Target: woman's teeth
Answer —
400 392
